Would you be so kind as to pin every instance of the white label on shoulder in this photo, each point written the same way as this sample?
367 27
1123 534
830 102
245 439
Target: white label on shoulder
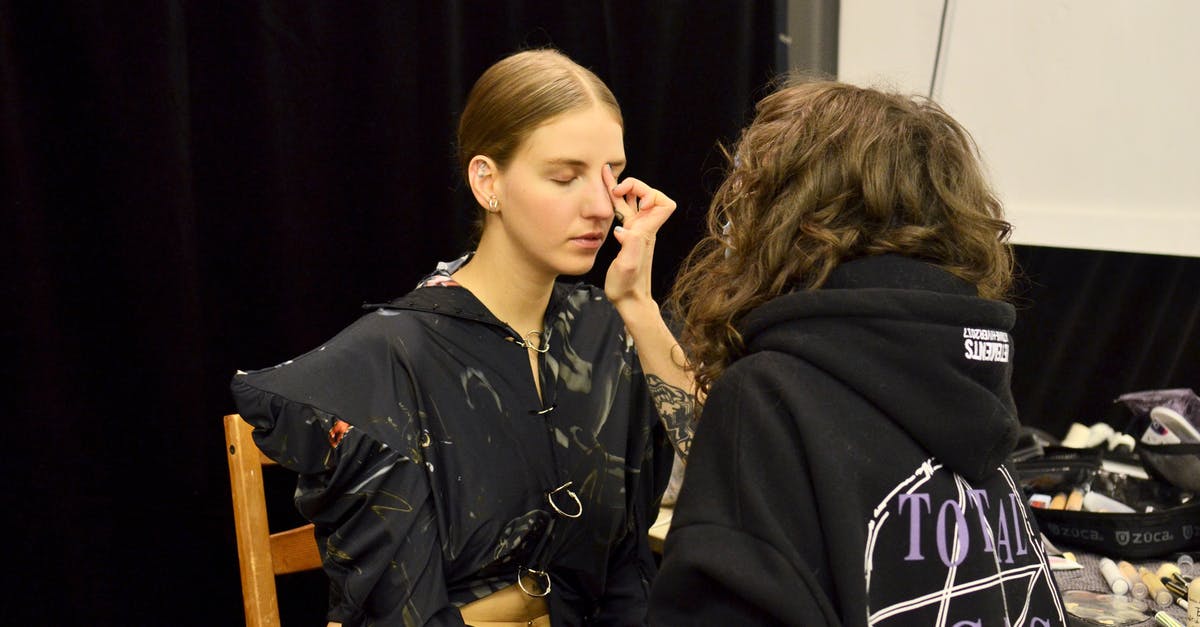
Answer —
985 345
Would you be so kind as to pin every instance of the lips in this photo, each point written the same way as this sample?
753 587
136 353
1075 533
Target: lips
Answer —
589 240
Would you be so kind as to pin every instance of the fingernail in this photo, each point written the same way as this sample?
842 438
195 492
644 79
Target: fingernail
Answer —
618 229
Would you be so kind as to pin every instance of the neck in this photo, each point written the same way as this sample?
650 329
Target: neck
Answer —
516 294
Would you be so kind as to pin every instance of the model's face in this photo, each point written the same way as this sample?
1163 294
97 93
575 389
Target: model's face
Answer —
555 209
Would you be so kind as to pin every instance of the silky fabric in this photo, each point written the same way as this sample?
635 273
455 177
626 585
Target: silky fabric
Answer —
427 459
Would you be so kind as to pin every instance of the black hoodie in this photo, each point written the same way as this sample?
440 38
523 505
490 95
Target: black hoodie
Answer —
849 469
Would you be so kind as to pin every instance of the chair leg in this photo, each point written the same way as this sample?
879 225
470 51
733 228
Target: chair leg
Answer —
250 522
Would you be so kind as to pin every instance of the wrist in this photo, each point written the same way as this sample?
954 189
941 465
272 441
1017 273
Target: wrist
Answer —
636 306
641 315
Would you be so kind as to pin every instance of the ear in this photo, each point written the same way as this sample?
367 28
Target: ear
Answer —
482 174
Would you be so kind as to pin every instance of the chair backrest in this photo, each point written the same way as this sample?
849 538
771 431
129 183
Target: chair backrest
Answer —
261 554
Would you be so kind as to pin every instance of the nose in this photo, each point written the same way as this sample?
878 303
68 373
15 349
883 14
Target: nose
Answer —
598 204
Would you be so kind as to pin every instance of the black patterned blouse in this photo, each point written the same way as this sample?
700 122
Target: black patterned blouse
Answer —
435 474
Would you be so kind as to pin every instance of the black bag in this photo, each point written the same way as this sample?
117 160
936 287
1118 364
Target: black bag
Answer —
1128 536
1177 464
1172 526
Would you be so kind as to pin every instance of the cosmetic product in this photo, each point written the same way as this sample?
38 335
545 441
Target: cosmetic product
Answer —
1096 502
1155 588
1121 443
1075 501
1095 608
1098 434
1166 620
1112 575
1193 603
1167 570
1077 436
1061 562
1137 589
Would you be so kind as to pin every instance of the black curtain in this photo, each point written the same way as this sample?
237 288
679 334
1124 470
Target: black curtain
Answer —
1092 325
193 187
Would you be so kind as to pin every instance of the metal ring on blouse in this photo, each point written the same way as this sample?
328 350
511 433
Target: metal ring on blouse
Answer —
574 497
525 343
540 574
543 412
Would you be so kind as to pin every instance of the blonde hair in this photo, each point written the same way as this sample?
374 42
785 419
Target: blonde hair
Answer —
829 172
518 94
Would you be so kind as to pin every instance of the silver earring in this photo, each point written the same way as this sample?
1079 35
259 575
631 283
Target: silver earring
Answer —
482 171
493 203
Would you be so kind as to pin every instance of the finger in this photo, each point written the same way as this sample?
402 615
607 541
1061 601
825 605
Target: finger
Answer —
621 204
642 196
628 190
606 175
648 220
632 186
654 198
635 258
656 209
630 254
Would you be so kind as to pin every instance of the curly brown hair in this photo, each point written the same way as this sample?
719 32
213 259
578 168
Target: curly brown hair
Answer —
826 173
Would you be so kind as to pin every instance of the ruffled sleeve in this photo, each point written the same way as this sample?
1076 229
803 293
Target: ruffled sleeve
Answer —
356 377
343 416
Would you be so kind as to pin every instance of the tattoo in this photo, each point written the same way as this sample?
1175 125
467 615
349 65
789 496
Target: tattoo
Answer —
675 407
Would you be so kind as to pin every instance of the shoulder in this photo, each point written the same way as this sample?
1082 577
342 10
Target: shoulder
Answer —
380 325
758 401
367 340
371 336
762 372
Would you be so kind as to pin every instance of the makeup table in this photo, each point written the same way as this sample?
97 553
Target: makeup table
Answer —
1089 579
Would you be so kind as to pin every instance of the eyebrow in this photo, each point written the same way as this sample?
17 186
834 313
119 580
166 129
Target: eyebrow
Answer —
576 163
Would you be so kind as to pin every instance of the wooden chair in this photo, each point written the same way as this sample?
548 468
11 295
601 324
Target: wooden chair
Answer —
262 554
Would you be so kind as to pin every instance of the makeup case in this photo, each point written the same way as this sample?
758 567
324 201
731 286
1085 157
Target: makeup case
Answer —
1165 520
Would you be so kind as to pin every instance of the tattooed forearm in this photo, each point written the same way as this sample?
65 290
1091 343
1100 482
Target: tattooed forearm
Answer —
675 406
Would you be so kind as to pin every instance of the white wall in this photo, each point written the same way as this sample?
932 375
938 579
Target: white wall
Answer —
1087 111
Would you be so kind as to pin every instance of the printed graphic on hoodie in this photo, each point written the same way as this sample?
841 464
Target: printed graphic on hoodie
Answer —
938 548
985 345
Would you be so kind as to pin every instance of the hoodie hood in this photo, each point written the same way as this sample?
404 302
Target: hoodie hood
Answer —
916 342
